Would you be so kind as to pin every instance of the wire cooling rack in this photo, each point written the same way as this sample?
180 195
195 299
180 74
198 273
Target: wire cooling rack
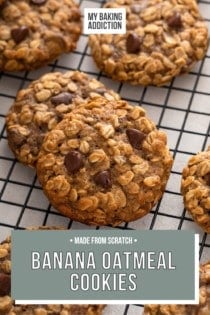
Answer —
181 109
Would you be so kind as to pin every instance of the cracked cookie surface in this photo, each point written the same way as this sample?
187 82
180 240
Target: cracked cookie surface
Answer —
195 188
34 33
7 305
163 39
104 163
39 107
203 308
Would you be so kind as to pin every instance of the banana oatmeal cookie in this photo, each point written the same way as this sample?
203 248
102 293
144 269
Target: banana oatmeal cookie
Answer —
195 188
104 163
35 32
163 39
7 305
204 300
39 107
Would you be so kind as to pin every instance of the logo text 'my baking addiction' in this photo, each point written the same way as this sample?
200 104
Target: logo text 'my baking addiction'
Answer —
104 21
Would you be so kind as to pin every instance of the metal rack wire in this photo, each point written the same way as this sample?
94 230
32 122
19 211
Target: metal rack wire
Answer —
181 109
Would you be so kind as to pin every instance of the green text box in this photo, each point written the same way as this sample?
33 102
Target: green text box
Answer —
94 264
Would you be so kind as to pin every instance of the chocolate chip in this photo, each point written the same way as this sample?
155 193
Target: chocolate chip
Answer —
5 284
103 179
135 137
207 179
62 98
2 4
175 21
16 139
39 2
133 43
19 33
73 161
136 8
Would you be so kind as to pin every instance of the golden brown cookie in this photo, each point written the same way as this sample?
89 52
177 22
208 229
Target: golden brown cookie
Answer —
204 300
163 39
39 107
195 188
104 163
7 305
35 32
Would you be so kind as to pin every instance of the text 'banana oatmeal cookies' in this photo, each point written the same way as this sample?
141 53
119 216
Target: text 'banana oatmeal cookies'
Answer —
104 163
39 107
203 308
164 38
7 305
195 188
34 33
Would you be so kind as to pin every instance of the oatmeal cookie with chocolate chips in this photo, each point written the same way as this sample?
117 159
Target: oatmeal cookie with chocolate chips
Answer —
163 39
104 163
7 305
39 107
195 188
35 32
203 308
